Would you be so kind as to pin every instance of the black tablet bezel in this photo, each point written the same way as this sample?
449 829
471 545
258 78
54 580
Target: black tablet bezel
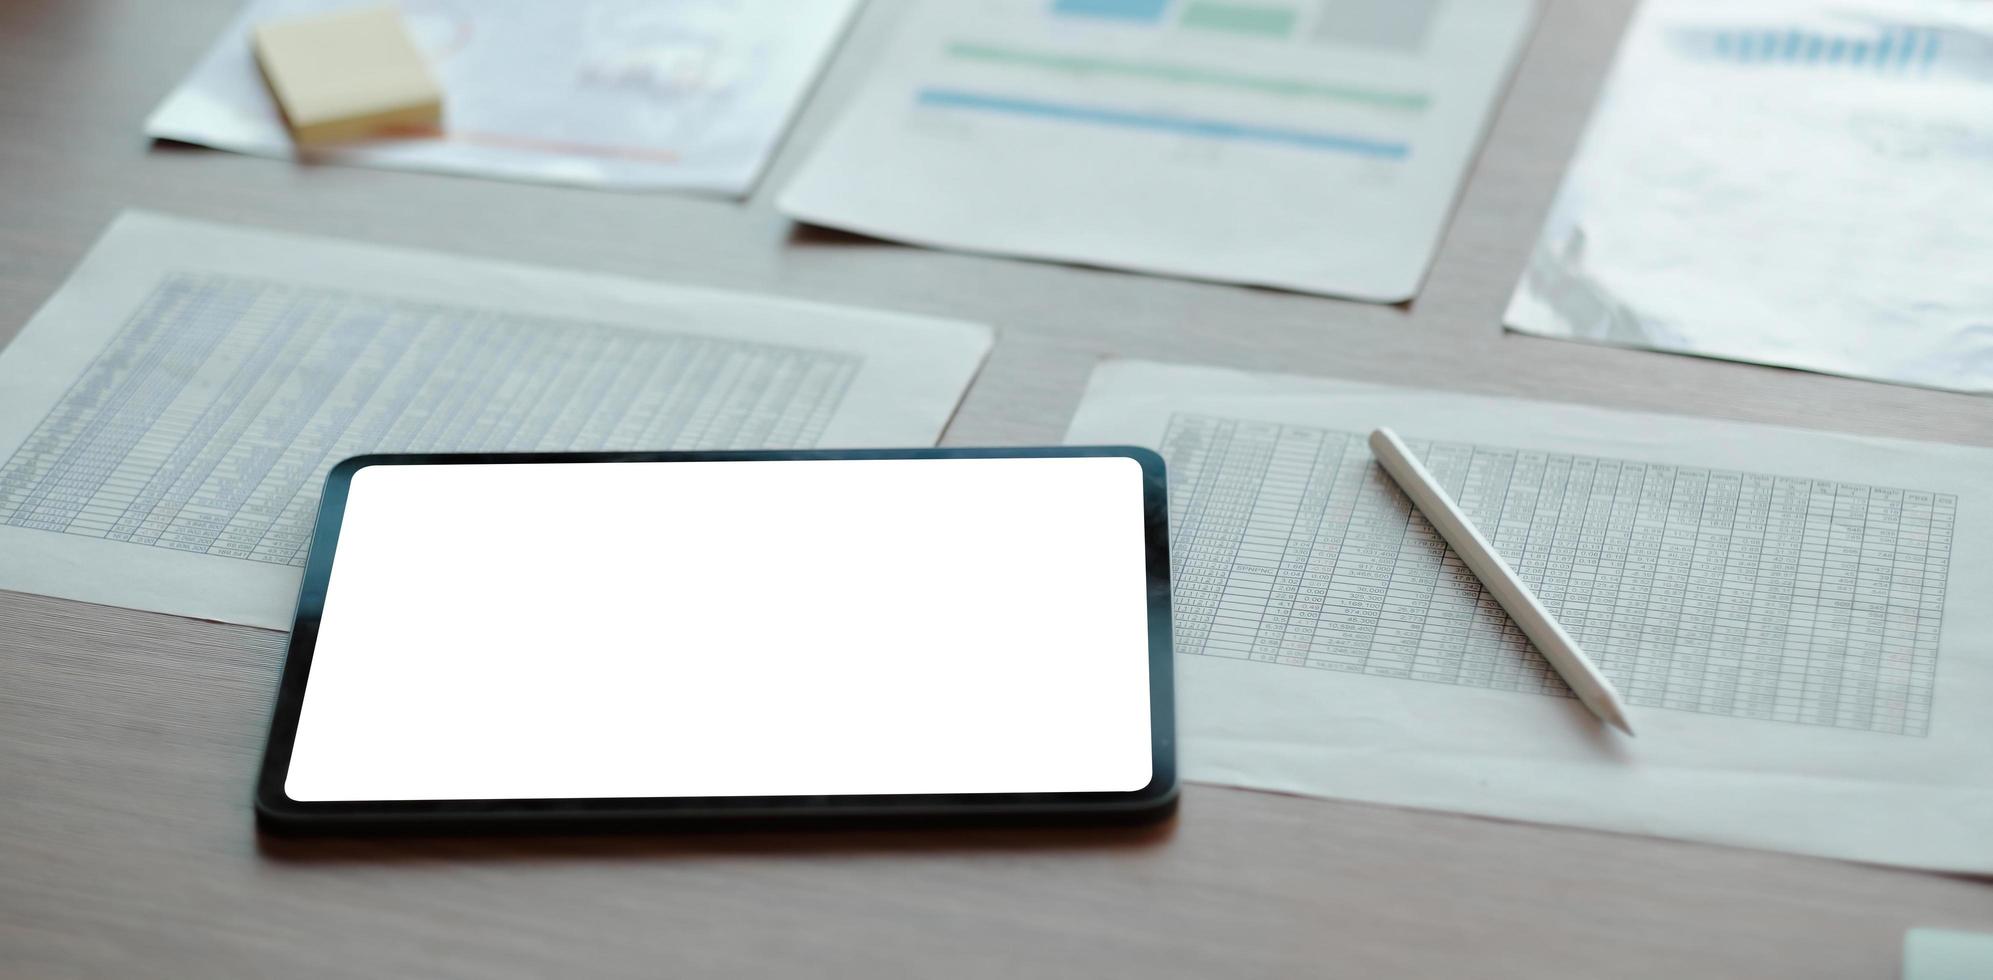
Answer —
277 811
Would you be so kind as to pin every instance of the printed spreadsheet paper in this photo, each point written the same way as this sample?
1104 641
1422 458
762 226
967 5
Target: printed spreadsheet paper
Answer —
167 419
1315 146
1794 616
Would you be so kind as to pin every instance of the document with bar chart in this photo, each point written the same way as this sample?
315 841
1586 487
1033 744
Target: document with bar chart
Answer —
1312 145
167 419
1795 618
1793 182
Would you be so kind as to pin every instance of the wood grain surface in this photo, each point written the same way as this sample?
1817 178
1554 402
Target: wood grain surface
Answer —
128 740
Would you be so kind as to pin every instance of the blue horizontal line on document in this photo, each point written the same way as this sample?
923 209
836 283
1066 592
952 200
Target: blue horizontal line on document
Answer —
1160 122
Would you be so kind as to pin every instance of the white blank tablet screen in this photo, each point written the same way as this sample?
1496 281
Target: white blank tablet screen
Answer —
764 628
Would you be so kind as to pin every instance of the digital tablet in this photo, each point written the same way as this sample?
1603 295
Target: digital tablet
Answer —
634 640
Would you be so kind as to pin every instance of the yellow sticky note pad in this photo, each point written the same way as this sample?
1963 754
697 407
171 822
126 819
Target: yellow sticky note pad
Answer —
347 75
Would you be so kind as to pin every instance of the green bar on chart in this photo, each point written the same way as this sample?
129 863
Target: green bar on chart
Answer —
1400 100
1267 20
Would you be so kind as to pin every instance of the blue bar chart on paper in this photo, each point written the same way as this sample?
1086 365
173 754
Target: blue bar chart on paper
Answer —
1883 50
1147 11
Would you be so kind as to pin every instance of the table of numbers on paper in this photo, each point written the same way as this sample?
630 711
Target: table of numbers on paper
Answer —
1717 591
208 422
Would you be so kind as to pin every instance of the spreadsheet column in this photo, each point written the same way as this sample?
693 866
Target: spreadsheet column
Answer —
1325 552
1232 516
1739 680
1450 598
1297 629
1709 528
1275 536
1360 580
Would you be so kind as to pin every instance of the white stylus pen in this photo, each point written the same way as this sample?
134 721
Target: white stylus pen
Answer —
1586 681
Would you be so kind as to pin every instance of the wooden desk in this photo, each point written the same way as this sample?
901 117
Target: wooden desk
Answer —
128 740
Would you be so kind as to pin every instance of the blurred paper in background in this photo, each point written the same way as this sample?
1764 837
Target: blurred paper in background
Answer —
1804 183
625 94
1314 145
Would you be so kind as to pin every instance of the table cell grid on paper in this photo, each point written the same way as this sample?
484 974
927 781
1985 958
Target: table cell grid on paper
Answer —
208 421
1720 592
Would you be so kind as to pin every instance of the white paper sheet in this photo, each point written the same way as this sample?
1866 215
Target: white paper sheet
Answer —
1947 954
1792 182
1316 145
167 418
1796 618
625 94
